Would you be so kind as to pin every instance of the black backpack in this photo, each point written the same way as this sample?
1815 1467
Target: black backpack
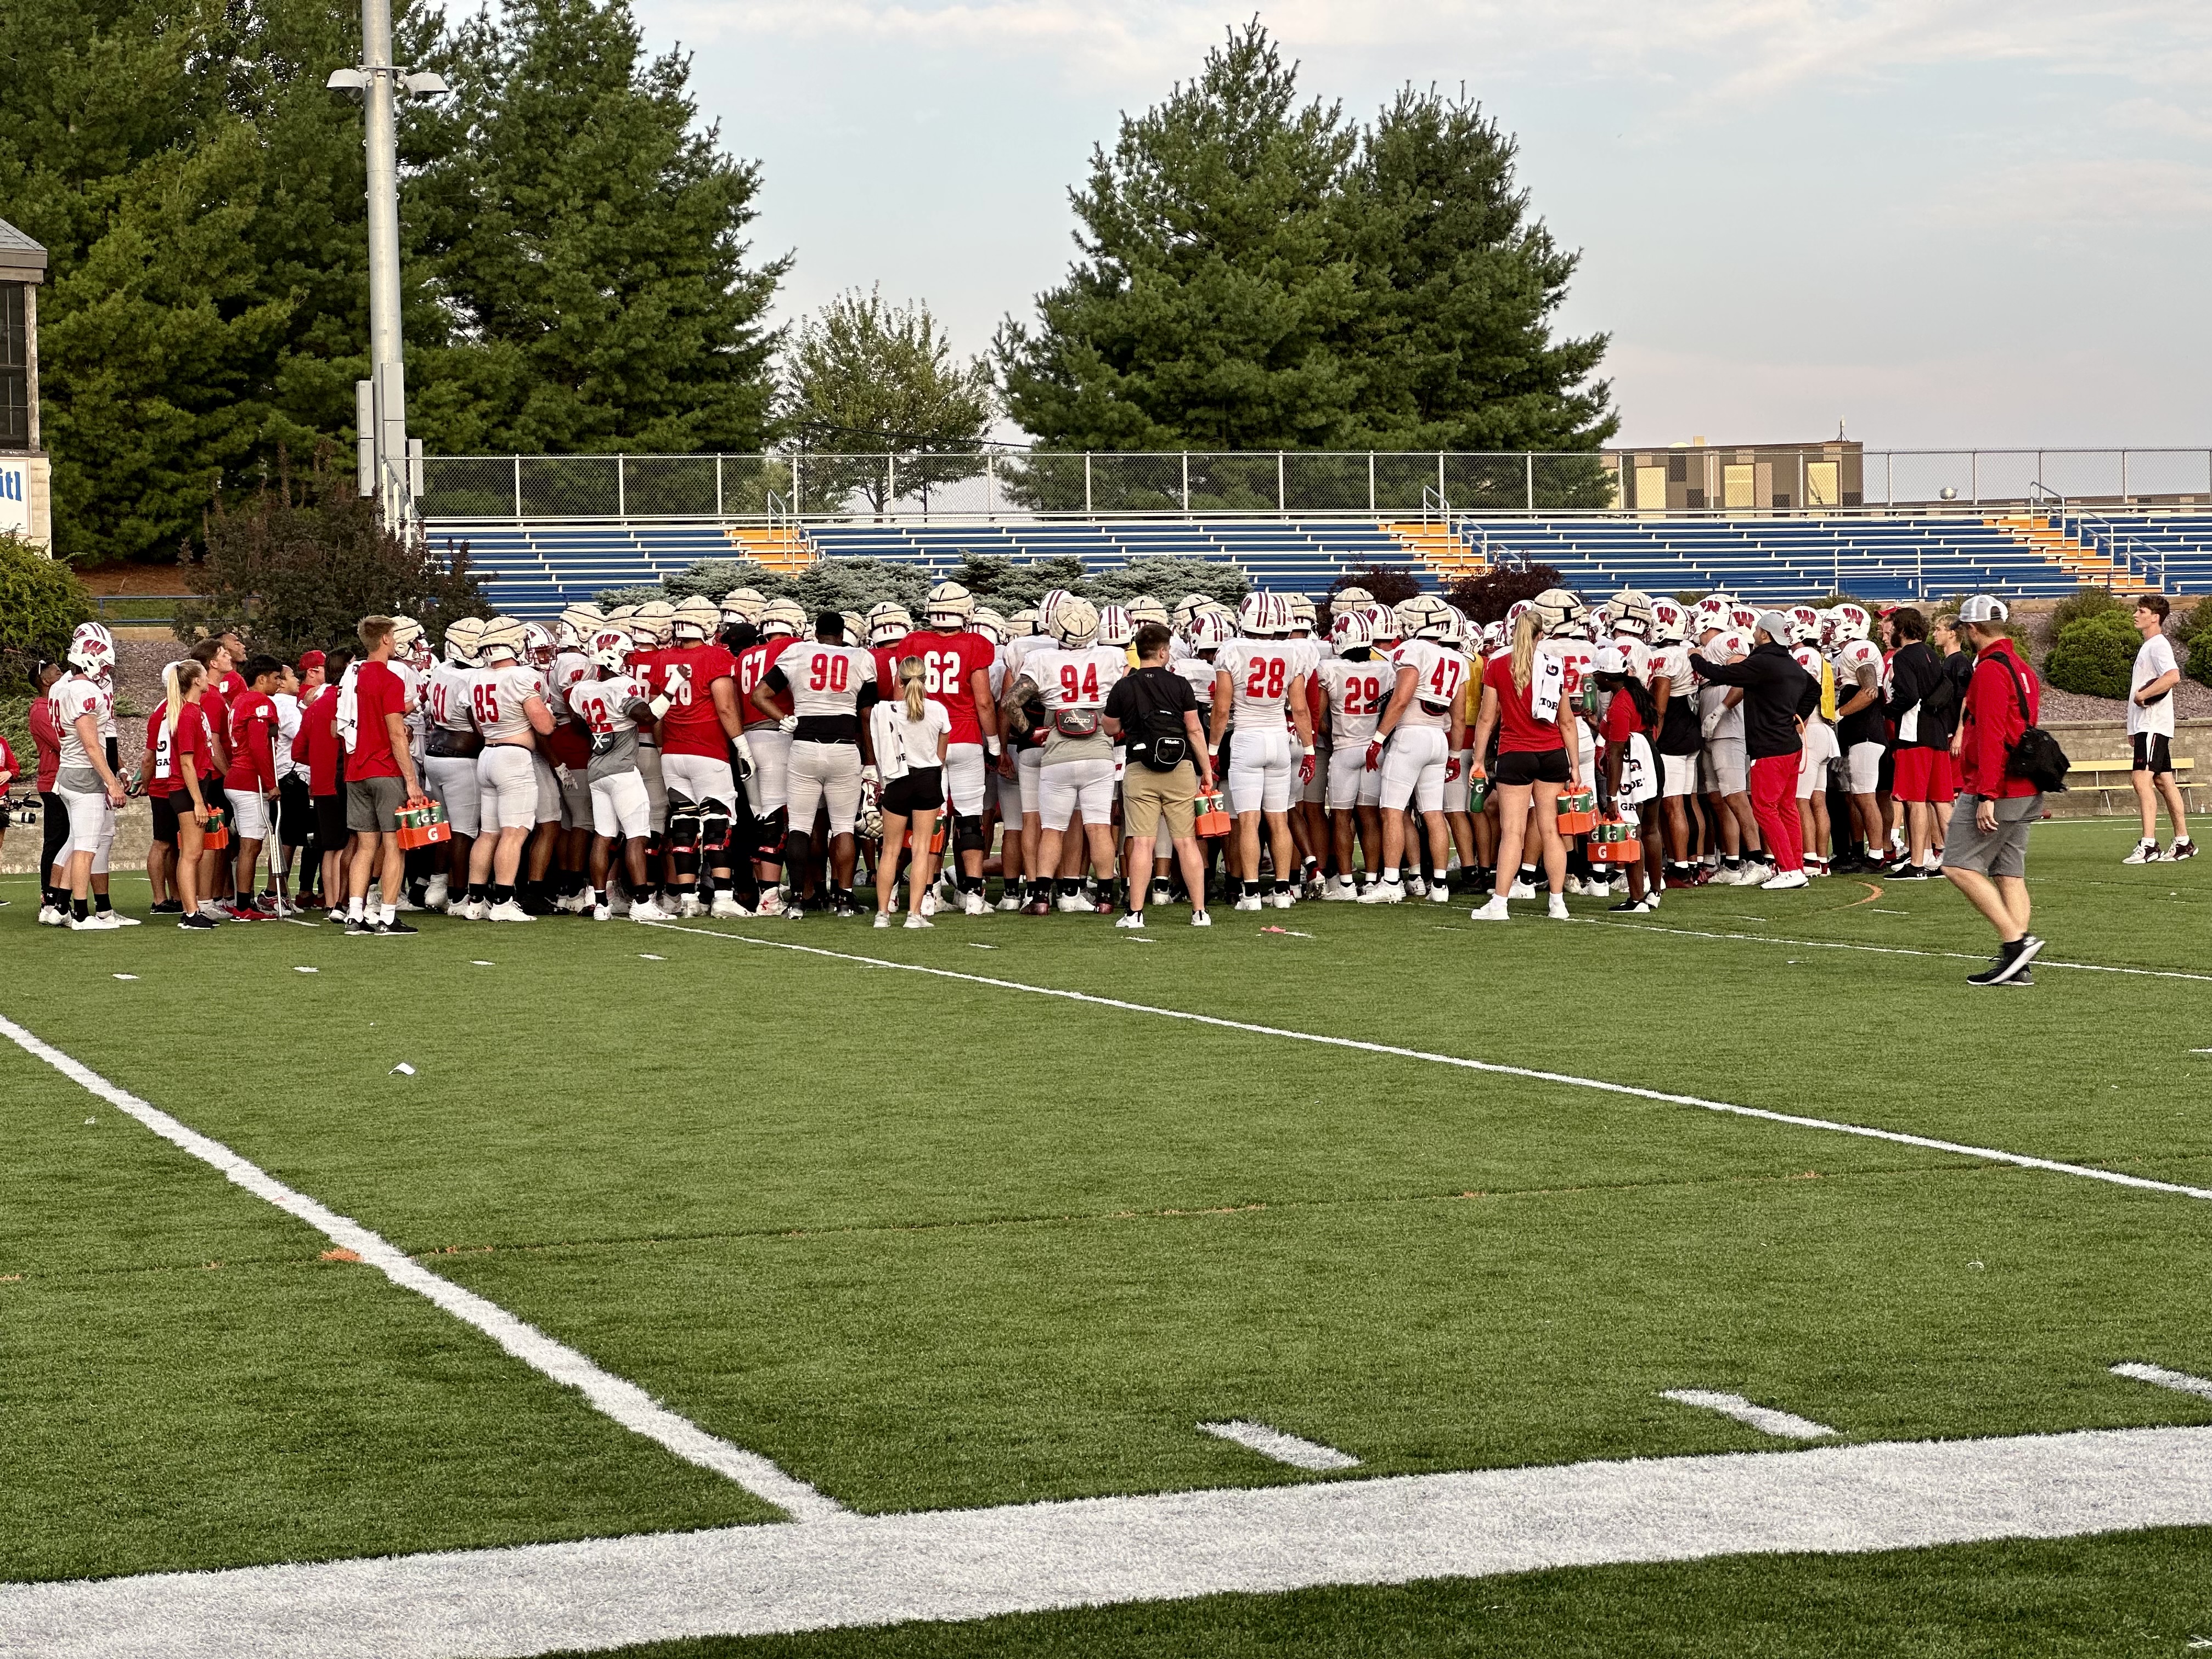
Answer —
1166 745
2036 756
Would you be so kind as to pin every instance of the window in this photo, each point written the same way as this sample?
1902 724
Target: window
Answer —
14 370
1736 485
1821 483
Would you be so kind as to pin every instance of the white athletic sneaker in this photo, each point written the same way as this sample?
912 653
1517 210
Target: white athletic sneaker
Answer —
2183 847
1439 894
602 913
686 907
919 921
1724 877
1385 892
438 894
1247 902
929 904
1341 892
50 917
475 910
1285 898
1072 904
1492 910
771 902
974 904
2143 851
1558 911
1520 890
1419 887
100 921
1134 918
619 905
1010 904
728 910
1200 919
1785 881
883 918
571 904
510 911
646 910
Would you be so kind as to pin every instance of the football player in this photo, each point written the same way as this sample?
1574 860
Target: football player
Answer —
1258 679
1071 678
768 742
1354 684
449 755
1857 663
612 705
828 686
508 703
1818 756
82 703
698 734
1416 744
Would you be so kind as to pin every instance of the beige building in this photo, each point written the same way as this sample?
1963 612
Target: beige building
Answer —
25 476
1702 477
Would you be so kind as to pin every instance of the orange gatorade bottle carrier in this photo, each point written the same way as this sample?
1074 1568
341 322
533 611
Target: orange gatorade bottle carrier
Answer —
422 826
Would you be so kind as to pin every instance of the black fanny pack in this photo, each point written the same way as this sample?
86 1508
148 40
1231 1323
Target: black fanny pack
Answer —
443 742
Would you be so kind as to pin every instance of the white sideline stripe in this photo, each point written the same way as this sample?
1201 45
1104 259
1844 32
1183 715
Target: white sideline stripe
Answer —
2179 1381
973 1564
621 1400
1787 1424
1991 1154
1283 1448
1897 951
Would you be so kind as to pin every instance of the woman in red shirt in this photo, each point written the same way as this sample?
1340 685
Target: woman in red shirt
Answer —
1631 715
183 733
53 815
1524 701
322 882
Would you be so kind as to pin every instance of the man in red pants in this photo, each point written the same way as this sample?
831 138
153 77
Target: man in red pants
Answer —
1777 696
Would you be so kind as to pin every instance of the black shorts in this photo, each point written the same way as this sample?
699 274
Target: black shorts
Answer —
330 823
295 811
165 819
922 790
2153 753
1526 766
1885 778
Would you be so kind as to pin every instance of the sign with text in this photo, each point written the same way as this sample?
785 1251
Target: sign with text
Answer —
15 497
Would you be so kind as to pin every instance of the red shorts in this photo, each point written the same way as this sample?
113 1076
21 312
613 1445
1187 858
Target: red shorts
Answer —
1924 774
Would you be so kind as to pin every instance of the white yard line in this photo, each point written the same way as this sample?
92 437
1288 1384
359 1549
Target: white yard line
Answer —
1894 949
621 1400
1283 1448
973 1564
2179 1381
1991 1154
1786 1425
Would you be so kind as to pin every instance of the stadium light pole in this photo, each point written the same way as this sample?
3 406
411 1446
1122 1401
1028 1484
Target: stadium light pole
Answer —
382 398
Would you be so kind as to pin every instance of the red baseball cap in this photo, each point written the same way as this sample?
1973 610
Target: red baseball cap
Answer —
310 659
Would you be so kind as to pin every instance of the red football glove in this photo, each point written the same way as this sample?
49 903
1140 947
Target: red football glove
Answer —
1375 755
1451 769
1305 768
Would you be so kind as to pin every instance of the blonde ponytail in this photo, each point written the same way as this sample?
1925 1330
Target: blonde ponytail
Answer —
174 679
1526 633
917 702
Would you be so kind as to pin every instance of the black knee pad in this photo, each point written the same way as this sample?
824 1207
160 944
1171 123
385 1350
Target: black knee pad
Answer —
714 829
683 826
967 832
768 843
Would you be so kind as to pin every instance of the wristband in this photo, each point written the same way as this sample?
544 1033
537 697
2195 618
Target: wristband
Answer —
991 747
1311 751
659 706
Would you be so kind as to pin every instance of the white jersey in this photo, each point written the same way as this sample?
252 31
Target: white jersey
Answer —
73 697
1356 693
452 685
1851 658
1261 673
287 729
1076 680
570 669
1808 658
1639 656
825 680
1672 662
1439 672
1200 673
499 700
1579 659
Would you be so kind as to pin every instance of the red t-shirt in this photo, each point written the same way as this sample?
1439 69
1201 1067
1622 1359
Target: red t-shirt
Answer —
6 760
180 754
215 710
949 662
685 675
229 687
318 742
253 745
377 692
1622 721
1518 733
46 741
753 663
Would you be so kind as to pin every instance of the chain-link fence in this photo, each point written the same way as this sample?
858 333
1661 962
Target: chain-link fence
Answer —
1288 483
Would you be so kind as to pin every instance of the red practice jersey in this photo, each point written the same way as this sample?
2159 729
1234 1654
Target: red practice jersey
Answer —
753 663
685 675
949 664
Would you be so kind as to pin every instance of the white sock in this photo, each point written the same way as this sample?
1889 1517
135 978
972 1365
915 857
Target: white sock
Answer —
1391 876
386 913
354 909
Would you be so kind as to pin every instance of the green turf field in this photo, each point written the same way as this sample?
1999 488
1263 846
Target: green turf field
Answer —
930 1242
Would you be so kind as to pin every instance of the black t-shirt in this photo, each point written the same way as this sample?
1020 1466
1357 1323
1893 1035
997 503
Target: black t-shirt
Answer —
1150 702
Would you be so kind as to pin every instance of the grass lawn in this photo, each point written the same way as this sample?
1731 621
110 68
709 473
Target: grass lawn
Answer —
932 1242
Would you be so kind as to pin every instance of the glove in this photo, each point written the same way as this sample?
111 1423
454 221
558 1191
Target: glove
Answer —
1375 755
869 775
1710 724
744 752
1306 767
1451 769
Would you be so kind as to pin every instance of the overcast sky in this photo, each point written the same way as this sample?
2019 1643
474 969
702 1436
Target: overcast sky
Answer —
1945 223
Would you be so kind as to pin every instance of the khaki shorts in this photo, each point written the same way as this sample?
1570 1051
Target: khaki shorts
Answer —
1148 796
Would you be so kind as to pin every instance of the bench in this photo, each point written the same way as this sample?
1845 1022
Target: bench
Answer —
2084 770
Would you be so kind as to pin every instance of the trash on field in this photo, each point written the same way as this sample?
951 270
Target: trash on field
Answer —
341 1254
978 945
403 1069
1288 932
90 1121
475 963
642 956
306 970
126 976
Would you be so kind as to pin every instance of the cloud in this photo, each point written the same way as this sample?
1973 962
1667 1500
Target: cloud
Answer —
2151 115
2090 195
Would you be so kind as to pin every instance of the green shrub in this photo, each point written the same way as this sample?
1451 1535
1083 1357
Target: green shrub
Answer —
613 599
716 577
2084 602
1168 579
2094 655
2192 640
41 601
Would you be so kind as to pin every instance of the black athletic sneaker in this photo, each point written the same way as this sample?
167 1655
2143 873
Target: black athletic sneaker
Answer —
2012 961
394 928
169 908
197 923
361 928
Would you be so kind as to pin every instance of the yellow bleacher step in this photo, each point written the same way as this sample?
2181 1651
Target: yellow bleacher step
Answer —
785 551
1437 548
2043 538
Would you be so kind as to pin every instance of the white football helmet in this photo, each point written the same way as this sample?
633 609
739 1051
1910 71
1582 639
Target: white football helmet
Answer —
461 637
1426 616
1023 624
92 650
503 641
1494 638
1048 606
1405 621
1516 610
887 623
1669 622
1852 623
1383 619
1710 613
1631 613
1117 626
742 604
1263 615
1344 598
1210 630
697 619
537 644
1074 624
1145 609
1743 618
576 624
610 647
1352 630
1559 609
1187 607
949 607
990 625
406 635
1302 613
785 617
856 627
1804 624
654 623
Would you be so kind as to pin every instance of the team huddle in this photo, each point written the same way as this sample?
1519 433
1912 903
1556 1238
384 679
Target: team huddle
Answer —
739 759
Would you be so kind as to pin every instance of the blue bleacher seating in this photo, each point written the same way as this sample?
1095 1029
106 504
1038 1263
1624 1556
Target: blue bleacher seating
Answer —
537 565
